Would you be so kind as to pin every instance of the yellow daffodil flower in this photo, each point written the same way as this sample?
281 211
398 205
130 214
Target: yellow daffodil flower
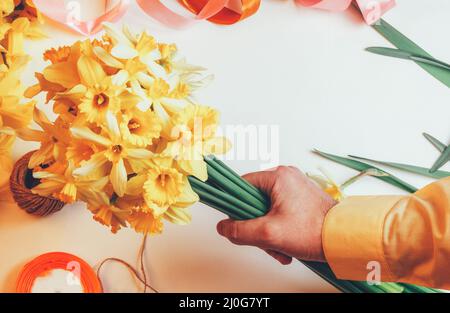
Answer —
63 74
140 128
129 46
145 223
53 137
141 218
103 93
191 135
109 215
167 191
114 151
58 181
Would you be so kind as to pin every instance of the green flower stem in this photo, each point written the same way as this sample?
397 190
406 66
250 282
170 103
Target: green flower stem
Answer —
235 178
324 271
418 289
215 195
391 287
219 204
230 187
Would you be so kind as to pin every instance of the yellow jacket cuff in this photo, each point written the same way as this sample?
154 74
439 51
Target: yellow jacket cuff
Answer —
353 236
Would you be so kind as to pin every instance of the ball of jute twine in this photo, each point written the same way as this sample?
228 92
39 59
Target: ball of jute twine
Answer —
22 181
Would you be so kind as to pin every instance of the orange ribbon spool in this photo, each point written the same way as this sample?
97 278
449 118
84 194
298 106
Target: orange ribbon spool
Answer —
225 16
43 264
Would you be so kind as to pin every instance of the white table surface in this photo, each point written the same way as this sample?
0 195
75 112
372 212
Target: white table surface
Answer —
298 69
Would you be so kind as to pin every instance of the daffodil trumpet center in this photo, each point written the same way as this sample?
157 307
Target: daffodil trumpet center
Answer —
134 126
101 100
117 149
163 179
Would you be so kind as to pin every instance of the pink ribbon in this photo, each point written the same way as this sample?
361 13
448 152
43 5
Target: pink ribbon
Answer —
372 10
68 13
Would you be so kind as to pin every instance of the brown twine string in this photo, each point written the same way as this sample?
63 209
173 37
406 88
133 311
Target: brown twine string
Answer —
21 182
134 271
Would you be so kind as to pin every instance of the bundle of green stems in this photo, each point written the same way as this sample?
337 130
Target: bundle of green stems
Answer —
232 195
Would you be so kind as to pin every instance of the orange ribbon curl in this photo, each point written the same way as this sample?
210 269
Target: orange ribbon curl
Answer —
224 16
45 263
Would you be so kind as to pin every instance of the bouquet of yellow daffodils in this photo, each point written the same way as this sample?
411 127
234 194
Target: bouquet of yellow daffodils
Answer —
18 20
127 132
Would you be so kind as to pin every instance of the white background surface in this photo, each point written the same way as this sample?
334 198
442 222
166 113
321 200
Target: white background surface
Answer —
300 69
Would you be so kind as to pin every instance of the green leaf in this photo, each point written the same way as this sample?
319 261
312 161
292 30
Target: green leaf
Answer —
408 168
436 143
401 54
445 156
360 166
443 159
403 43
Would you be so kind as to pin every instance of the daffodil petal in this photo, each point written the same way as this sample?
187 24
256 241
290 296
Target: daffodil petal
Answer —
30 134
195 168
115 34
155 68
47 188
119 178
135 185
120 78
178 216
91 165
139 153
112 124
188 197
40 118
87 134
145 80
107 58
41 175
63 74
41 156
124 52
90 71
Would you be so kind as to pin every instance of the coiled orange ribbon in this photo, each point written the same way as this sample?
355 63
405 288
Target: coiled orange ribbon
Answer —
44 264
224 12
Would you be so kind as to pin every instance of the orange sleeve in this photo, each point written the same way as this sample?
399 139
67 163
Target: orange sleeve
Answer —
409 236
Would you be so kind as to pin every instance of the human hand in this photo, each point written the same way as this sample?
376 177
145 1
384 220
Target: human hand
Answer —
293 226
